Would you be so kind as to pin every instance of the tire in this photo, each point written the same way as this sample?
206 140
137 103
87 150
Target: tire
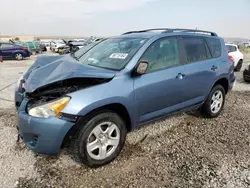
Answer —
238 66
18 56
88 133
207 108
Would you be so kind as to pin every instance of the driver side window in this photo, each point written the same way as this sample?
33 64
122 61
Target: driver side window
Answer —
162 54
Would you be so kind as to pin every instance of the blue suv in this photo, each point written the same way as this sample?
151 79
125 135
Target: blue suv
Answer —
91 99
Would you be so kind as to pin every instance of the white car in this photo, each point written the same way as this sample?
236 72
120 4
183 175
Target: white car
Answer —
54 45
247 44
234 51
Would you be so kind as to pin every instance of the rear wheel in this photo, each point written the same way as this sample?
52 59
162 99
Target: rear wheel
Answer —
239 65
100 139
215 102
18 56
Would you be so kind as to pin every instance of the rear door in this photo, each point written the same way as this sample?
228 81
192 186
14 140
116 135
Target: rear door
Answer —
200 69
7 50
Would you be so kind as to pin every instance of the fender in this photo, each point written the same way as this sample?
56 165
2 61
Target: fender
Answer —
129 106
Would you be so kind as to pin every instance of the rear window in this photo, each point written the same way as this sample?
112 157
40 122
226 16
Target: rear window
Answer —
196 50
231 48
215 47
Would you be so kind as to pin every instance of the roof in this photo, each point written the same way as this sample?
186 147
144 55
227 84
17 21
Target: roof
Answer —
231 44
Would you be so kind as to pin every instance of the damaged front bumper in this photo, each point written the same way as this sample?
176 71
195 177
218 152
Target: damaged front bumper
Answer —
41 135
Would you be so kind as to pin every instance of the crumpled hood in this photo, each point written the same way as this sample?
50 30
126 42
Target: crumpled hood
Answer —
50 69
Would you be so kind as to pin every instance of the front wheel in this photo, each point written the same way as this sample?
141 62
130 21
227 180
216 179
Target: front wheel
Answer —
100 139
215 102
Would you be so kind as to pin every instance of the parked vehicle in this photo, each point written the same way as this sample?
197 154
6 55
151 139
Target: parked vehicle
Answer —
94 97
246 74
32 46
10 50
42 46
74 46
1 57
247 44
64 49
54 45
237 56
47 44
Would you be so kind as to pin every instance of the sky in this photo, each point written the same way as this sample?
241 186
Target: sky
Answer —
228 18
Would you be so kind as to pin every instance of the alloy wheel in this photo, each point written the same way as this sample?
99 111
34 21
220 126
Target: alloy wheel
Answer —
103 140
216 101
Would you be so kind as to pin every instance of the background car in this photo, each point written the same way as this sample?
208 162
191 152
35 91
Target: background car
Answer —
247 44
246 74
54 45
42 46
237 56
64 49
10 50
46 44
32 46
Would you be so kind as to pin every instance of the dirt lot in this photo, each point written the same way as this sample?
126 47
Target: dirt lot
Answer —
182 151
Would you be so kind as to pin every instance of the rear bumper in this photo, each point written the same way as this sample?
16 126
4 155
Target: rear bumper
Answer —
27 54
232 81
41 135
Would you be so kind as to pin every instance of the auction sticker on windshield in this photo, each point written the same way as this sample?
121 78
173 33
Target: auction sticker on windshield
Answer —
118 56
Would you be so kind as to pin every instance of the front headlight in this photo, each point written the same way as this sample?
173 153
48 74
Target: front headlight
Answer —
49 109
18 83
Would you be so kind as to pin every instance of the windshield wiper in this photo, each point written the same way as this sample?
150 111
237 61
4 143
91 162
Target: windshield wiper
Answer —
101 67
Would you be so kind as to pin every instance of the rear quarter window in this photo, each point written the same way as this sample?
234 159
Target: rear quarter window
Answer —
215 47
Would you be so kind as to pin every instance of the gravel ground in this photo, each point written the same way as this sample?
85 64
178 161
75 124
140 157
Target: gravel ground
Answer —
186 150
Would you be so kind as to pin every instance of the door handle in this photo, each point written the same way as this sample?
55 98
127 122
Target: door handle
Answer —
180 76
214 68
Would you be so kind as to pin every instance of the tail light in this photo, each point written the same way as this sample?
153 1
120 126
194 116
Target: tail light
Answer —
231 58
25 48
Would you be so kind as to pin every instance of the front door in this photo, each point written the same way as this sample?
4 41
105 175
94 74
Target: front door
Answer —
159 91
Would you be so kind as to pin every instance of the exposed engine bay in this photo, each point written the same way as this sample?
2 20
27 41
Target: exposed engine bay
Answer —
58 89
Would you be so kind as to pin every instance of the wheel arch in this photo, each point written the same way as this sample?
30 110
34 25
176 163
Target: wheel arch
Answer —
223 82
118 108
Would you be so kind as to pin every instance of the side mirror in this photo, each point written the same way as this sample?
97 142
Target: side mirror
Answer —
142 68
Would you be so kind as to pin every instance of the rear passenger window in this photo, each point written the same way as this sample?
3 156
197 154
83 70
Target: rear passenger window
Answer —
215 47
196 49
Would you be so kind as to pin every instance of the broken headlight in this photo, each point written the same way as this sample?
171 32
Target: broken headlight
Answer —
49 109
19 84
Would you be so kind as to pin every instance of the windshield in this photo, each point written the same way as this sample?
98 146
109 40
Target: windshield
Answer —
84 49
112 53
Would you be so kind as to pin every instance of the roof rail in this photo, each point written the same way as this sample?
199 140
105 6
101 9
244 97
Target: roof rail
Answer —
146 30
170 30
191 30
